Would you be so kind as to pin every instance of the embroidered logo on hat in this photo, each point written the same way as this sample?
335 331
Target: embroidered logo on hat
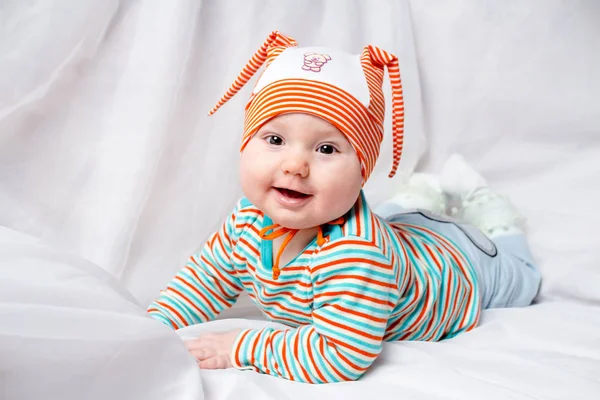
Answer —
343 89
314 61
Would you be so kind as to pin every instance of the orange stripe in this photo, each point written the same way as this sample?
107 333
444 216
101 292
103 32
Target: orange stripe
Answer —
355 295
248 225
284 356
288 294
331 345
209 290
325 91
434 257
275 304
159 312
253 349
174 311
291 322
334 113
416 298
359 314
349 242
321 98
221 245
275 283
225 278
347 328
355 349
252 249
238 348
424 309
350 260
311 358
351 364
359 278
191 303
254 211
297 357
267 346
199 293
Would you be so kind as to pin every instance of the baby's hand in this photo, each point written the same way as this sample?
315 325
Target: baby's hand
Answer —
212 350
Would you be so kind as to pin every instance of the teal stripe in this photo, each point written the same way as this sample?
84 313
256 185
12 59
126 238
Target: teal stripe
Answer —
375 311
218 258
249 256
245 348
191 279
371 328
332 359
194 297
189 319
351 251
244 202
158 316
303 354
388 276
218 265
355 288
336 333
292 361
278 346
286 302
319 360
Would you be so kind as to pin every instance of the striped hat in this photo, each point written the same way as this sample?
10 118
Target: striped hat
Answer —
344 89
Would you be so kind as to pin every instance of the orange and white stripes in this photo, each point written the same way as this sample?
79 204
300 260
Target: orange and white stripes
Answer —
271 48
362 124
373 59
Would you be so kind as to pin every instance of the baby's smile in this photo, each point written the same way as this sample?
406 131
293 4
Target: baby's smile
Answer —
289 197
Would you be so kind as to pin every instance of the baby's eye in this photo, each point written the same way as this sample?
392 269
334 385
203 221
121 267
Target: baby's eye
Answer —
274 140
326 149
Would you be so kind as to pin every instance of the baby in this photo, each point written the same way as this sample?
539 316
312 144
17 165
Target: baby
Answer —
307 248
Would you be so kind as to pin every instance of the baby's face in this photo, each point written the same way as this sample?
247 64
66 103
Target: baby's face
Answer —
301 171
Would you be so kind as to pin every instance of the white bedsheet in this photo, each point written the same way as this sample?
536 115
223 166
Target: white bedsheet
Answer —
547 351
69 331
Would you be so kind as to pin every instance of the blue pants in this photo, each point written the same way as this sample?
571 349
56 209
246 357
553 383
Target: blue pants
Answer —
506 273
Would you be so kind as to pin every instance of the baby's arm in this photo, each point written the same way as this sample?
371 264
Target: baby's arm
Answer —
205 286
355 291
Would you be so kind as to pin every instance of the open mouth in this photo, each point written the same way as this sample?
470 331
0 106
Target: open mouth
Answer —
292 194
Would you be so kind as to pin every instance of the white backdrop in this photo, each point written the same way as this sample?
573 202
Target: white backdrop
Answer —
106 150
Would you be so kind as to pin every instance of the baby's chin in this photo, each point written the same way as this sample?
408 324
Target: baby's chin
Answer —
298 223
296 220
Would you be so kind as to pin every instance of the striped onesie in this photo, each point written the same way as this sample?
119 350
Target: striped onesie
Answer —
371 281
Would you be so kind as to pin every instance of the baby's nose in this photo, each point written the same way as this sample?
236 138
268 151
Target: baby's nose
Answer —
295 165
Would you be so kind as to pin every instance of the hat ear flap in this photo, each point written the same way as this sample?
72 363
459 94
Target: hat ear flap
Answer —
275 43
373 62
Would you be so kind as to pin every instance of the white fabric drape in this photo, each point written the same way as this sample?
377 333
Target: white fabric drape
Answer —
106 147
107 156
107 152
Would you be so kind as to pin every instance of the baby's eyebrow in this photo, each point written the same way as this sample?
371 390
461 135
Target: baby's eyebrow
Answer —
332 136
269 128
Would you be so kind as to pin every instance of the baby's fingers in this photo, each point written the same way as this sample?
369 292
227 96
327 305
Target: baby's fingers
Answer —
203 353
217 362
200 343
